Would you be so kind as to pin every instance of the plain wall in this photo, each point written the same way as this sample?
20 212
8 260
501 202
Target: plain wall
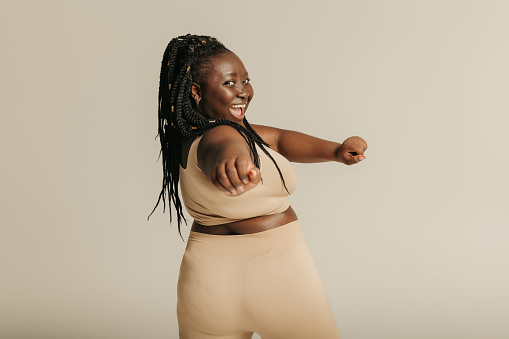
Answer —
411 243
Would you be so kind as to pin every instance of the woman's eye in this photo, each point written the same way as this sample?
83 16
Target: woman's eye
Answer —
229 83
247 81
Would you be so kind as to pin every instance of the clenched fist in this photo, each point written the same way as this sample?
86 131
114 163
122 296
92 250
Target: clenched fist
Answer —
235 175
351 151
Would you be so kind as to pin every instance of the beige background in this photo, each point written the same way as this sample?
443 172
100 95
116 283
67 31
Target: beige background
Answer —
412 243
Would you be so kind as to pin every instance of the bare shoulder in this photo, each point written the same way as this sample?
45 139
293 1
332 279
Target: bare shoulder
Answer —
220 134
220 137
268 134
220 142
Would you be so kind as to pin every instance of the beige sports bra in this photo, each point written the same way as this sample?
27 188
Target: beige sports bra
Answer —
209 206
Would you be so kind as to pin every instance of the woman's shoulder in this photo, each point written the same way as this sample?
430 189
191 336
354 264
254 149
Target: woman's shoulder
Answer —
220 132
268 134
219 136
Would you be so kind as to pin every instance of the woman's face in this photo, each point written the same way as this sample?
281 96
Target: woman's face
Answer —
226 91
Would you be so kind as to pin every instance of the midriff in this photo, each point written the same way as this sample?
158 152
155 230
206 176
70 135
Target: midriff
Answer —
247 226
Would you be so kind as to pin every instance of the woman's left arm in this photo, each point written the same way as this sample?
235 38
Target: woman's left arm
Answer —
300 147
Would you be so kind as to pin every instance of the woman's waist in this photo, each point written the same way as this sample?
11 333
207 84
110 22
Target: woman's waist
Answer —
285 236
248 226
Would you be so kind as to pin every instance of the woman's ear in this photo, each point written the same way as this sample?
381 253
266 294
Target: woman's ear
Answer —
196 93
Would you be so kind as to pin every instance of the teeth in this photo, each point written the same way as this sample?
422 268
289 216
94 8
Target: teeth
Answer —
238 106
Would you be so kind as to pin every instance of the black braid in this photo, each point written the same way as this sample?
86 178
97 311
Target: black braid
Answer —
187 60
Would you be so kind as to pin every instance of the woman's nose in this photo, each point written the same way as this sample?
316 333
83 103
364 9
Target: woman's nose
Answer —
243 93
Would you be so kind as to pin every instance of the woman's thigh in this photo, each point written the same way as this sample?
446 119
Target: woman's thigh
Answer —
287 298
208 293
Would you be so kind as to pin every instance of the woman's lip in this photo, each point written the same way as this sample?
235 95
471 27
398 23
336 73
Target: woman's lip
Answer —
237 112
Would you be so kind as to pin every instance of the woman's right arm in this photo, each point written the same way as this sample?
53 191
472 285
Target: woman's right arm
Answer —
225 158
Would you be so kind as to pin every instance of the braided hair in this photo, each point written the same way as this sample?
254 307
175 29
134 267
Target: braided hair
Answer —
187 59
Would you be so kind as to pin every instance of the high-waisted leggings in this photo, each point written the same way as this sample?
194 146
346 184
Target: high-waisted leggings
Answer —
233 285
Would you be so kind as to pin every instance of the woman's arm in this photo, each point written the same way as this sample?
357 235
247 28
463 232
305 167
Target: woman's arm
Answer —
225 158
300 147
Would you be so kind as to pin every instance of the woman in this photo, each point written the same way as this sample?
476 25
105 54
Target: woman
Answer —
247 267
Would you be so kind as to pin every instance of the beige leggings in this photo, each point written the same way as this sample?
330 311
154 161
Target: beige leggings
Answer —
266 282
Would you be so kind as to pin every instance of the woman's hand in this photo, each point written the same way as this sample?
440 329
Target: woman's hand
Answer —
224 156
351 151
235 176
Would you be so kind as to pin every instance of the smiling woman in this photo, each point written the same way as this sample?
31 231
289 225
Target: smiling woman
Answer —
225 92
247 267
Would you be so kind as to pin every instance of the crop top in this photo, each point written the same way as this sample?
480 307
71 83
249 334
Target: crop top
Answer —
209 206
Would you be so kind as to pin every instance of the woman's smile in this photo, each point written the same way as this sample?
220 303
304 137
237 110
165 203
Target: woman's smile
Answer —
238 110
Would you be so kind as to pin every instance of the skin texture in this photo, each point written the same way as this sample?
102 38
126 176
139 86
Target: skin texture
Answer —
224 156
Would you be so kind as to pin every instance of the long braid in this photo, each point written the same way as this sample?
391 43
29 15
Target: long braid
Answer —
260 142
185 60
